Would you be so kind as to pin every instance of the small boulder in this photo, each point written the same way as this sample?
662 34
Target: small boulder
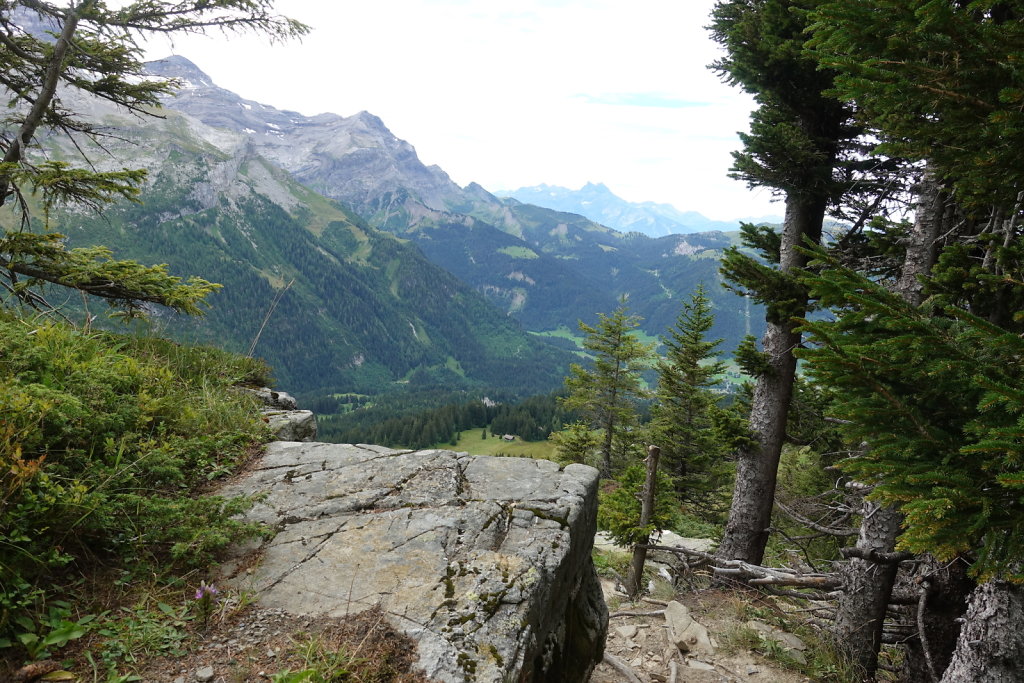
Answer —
705 545
628 631
292 425
699 665
684 632
274 399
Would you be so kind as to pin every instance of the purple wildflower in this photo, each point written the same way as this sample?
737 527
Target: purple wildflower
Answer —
206 596
208 591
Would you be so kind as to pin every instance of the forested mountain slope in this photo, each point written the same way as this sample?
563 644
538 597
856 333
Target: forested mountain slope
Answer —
546 268
351 308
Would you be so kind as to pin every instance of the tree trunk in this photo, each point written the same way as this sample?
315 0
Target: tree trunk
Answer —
991 644
636 570
947 589
746 532
868 582
923 238
609 437
867 587
42 100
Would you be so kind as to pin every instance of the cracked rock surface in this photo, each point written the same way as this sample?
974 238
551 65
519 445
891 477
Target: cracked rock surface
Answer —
484 561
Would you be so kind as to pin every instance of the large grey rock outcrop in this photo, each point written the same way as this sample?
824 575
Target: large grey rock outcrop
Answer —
484 561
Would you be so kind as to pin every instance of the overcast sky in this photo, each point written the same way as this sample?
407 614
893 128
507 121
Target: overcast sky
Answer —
510 93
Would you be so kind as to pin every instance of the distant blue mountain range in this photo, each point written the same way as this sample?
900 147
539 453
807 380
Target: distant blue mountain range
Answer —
596 202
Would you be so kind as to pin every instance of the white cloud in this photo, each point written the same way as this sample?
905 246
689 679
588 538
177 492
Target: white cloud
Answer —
515 92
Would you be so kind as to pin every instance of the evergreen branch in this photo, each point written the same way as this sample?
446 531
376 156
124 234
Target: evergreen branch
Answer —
16 152
124 284
11 45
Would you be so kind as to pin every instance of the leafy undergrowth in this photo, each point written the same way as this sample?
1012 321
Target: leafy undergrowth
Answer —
107 443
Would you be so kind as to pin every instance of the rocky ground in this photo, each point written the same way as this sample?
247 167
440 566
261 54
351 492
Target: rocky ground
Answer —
690 635
644 643
703 634
244 643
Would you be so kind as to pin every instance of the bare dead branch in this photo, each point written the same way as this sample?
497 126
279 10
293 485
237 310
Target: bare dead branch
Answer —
655 613
800 519
622 668
922 635
872 555
801 595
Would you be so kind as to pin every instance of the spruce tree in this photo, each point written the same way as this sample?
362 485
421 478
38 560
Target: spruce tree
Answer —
937 399
797 136
941 83
574 443
606 393
686 417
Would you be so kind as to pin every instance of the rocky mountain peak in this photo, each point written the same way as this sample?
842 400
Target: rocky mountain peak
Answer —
181 68
370 121
354 159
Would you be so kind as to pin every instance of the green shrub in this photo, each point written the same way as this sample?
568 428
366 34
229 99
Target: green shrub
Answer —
618 510
105 443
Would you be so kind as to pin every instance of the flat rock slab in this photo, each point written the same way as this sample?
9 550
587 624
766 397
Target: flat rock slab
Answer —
484 561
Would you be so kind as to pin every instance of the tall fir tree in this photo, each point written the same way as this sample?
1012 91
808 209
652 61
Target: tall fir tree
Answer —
798 134
941 82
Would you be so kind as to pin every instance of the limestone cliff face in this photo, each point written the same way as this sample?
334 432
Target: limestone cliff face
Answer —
484 561
355 159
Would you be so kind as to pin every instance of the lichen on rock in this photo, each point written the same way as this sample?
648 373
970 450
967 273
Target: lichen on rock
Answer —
484 561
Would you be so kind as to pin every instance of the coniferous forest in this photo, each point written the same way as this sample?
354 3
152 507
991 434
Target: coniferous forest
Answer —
898 121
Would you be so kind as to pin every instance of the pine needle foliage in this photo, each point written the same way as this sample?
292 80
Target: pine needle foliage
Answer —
936 397
619 510
759 278
52 49
607 392
943 81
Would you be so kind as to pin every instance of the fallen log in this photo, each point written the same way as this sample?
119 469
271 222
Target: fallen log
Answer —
757 575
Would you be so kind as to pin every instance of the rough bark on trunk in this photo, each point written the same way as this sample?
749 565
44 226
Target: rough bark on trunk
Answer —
746 532
867 587
636 569
991 644
606 448
923 238
42 100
